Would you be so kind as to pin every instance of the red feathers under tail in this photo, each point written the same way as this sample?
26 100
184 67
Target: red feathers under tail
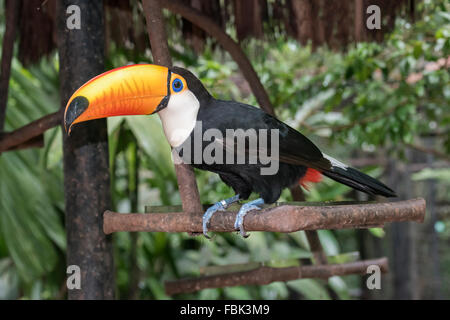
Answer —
311 175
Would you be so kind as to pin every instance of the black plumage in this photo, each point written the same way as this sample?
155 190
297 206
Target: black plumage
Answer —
296 152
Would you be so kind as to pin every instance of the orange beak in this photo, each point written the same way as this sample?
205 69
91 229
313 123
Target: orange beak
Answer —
130 90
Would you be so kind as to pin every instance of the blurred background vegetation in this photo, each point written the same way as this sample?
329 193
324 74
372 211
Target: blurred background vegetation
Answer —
382 106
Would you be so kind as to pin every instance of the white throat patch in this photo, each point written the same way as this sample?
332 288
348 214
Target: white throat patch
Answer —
179 117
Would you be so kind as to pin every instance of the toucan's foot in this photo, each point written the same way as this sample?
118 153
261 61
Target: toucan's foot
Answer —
246 207
208 214
219 206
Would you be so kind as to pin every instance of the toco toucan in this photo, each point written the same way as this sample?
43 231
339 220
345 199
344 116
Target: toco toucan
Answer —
187 109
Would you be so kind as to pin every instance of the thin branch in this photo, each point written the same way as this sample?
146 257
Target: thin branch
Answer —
283 218
187 185
33 129
434 152
367 120
359 21
265 275
442 63
157 32
316 247
233 48
12 13
35 142
311 235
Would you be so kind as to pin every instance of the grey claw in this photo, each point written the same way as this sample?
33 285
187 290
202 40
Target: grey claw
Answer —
239 223
243 233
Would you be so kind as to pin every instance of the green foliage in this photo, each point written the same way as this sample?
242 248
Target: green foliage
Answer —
436 174
32 238
376 94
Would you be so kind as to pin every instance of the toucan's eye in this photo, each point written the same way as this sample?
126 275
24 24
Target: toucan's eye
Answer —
177 85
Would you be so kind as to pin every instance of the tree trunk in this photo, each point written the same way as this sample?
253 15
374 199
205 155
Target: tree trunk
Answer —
359 20
86 164
304 15
12 14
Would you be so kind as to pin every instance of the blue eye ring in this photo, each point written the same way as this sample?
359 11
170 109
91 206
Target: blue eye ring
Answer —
177 85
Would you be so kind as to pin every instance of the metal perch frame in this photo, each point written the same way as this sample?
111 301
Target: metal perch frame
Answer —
281 218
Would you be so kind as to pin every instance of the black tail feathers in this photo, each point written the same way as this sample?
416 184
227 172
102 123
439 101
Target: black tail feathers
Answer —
359 181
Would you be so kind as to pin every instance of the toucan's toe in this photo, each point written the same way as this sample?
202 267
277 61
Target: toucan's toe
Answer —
247 207
207 216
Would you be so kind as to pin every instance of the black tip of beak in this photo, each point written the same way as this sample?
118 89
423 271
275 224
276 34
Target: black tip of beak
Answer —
74 110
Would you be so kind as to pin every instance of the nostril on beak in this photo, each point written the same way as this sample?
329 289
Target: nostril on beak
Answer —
74 110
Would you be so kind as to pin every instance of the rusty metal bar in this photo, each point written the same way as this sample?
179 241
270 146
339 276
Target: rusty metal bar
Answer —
265 275
284 218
